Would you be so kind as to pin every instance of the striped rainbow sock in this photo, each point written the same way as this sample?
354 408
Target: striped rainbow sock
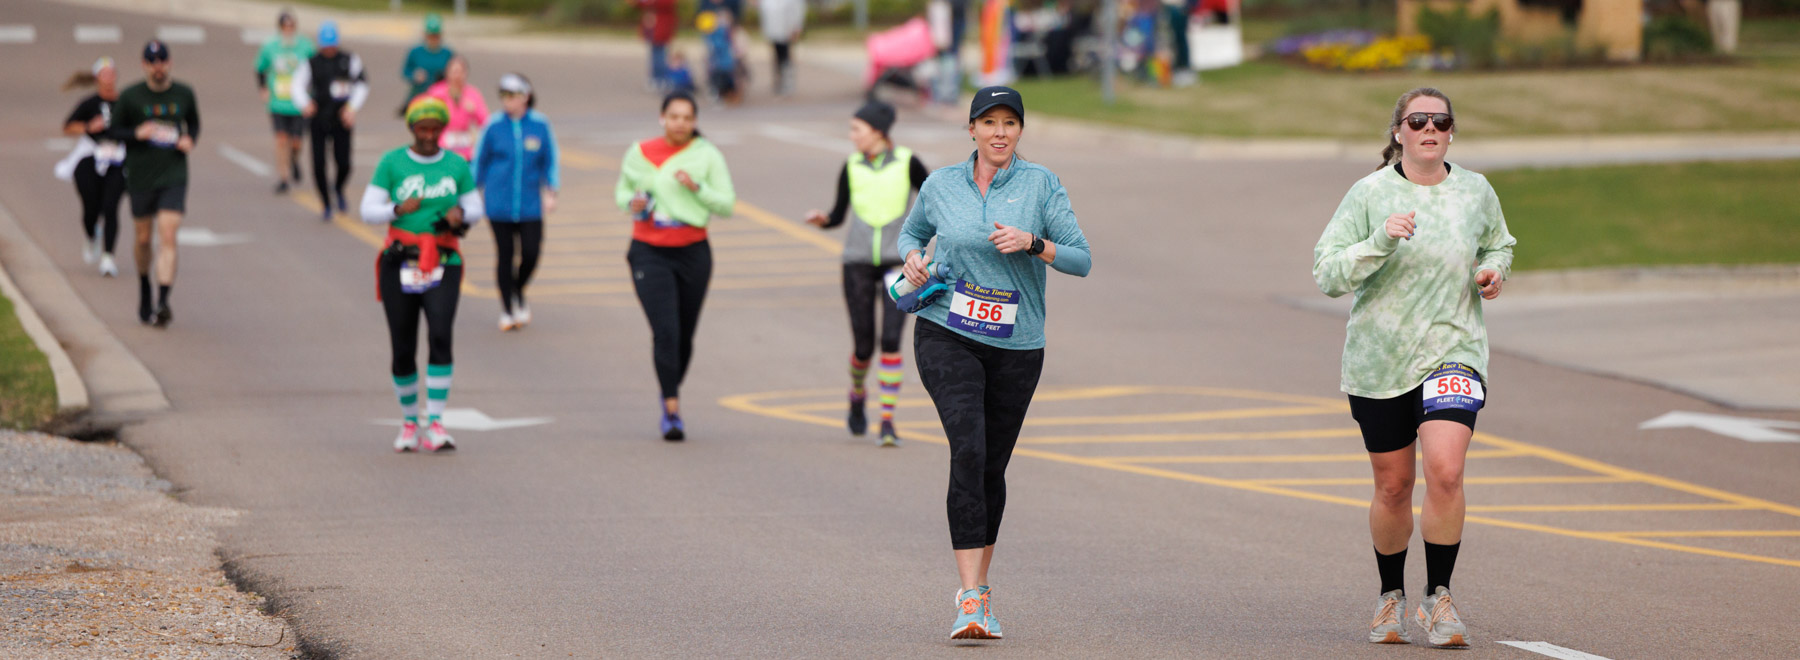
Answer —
859 374
890 386
407 389
437 389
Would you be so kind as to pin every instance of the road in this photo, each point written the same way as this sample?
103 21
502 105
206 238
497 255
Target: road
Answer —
1189 485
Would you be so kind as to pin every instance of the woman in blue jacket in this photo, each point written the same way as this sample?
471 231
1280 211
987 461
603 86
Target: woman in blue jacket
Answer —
1000 222
515 168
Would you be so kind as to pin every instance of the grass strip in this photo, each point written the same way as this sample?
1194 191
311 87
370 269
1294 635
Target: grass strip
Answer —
27 387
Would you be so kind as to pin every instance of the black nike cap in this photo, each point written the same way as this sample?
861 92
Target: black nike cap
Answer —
156 51
989 98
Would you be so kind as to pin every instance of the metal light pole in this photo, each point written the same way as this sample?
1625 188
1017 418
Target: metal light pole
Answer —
862 15
462 10
1109 44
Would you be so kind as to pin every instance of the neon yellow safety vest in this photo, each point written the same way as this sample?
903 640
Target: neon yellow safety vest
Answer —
879 193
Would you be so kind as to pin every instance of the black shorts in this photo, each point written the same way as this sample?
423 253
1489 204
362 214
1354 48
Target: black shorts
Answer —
294 125
1393 424
146 203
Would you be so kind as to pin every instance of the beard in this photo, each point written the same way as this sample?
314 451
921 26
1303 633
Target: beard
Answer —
159 77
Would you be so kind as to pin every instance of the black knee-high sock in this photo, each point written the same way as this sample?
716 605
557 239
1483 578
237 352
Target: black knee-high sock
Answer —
162 293
1393 570
1440 561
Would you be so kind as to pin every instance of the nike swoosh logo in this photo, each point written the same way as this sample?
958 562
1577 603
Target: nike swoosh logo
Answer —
1001 93
1014 199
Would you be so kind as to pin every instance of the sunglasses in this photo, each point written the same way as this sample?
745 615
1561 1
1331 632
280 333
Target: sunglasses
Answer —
1443 121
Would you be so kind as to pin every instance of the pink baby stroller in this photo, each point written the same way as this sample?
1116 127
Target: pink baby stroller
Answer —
894 54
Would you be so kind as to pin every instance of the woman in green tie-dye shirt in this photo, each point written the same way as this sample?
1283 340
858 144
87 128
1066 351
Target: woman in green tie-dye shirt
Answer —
1416 241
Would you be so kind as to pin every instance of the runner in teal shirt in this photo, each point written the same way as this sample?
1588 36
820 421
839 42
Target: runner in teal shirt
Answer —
276 64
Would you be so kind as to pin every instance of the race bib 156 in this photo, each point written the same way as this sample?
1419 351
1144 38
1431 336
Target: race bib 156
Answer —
983 311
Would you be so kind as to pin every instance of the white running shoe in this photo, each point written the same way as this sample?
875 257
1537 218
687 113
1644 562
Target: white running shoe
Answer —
1387 627
1443 627
436 439
90 251
522 314
107 267
409 438
508 323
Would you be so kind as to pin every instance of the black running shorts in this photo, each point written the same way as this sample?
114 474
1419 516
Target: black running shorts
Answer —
1393 424
168 198
294 125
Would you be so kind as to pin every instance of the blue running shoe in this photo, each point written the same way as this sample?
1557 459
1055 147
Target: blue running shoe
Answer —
971 616
671 427
993 622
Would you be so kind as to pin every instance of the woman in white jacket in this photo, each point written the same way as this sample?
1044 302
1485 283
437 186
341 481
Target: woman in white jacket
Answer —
782 21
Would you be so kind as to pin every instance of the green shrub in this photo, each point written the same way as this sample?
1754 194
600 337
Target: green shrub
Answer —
1474 39
1676 37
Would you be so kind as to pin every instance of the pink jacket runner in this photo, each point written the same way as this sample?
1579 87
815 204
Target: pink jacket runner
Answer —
467 116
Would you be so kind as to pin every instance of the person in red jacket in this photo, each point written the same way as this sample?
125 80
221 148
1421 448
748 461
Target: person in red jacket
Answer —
658 28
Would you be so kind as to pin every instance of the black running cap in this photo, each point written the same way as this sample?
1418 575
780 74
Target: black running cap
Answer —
156 51
991 97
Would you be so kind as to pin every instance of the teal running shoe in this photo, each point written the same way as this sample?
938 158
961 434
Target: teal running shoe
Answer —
993 622
971 616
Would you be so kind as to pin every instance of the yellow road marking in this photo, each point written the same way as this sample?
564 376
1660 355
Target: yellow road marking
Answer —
1716 533
1193 416
795 230
752 404
1189 437
1471 481
582 159
1282 458
1571 508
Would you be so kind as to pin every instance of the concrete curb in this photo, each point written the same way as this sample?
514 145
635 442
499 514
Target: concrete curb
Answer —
71 393
113 384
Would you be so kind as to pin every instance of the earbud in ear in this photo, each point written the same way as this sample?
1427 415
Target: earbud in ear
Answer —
1452 137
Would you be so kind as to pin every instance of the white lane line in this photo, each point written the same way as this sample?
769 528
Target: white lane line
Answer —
1554 651
59 144
17 34
246 161
181 34
805 138
256 36
98 34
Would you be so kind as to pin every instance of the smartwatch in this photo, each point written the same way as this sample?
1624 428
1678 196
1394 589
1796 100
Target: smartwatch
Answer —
1037 247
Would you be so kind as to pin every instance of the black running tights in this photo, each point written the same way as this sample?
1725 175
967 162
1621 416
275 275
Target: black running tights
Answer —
865 290
438 305
339 136
100 196
982 393
671 285
528 237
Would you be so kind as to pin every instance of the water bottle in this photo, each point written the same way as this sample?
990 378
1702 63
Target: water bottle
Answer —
911 299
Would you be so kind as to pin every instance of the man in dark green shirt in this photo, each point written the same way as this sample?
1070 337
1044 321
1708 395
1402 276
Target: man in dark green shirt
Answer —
158 121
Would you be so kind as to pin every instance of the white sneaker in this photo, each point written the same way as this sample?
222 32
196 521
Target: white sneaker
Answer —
435 438
409 438
521 314
1443 627
508 323
89 253
1387 627
107 267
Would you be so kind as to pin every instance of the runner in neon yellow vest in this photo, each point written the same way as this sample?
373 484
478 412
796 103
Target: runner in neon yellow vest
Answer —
878 182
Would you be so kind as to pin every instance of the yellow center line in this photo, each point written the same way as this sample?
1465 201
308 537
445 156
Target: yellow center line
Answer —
753 404
1715 533
1280 458
1190 437
1572 508
1470 481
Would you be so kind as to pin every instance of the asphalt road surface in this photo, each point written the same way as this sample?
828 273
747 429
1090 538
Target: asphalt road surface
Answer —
1189 484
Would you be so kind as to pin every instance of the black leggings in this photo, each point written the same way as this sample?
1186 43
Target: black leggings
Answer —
339 136
782 55
863 286
439 305
100 199
528 235
982 393
671 285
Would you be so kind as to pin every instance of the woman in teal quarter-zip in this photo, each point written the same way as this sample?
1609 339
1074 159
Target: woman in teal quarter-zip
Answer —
515 167
999 222
877 183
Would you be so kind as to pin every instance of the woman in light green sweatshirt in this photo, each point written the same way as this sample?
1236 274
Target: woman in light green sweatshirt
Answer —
1417 241
673 185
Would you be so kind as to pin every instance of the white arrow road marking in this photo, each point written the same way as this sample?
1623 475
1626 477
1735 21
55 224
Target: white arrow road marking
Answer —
470 419
98 34
181 34
1554 651
17 34
203 237
1749 429
246 161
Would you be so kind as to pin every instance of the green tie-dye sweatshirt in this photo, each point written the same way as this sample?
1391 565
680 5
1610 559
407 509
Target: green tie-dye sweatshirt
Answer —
1417 305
